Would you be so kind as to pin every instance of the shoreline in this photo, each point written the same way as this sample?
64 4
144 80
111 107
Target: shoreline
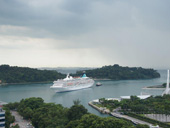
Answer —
157 87
106 79
96 79
45 82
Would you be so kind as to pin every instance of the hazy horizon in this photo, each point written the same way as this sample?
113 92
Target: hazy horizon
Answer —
59 67
81 33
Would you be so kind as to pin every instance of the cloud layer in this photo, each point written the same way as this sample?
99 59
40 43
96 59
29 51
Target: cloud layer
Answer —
85 33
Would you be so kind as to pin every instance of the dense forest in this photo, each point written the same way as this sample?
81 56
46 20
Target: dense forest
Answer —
117 72
50 115
14 74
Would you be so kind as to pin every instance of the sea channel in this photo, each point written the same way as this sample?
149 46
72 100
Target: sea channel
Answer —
109 89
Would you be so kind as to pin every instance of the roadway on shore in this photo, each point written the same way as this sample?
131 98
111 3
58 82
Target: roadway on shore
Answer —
117 114
20 121
134 120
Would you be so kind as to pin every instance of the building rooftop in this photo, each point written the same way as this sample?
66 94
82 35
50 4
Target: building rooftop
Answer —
2 103
140 97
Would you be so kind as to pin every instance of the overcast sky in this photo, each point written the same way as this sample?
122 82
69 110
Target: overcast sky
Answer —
85 33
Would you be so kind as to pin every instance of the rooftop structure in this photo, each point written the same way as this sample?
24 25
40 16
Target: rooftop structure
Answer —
97 100
151 126
122 98
140 97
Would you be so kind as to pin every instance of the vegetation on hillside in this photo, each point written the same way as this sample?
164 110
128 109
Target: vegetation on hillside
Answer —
8 118
50 115
14 74
117 72
158 105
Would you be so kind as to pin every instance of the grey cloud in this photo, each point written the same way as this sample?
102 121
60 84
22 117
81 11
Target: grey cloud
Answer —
75 17
125 30
66 18
154 13
81 7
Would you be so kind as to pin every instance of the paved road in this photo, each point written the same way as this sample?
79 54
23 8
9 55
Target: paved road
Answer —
20 121
134 120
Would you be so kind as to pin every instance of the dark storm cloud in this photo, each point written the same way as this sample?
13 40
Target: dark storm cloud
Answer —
126 31
74 17
63 18
57 18
77 13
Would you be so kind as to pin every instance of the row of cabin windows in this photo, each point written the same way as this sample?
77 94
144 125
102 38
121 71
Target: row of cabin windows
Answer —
2 120
2 125
2 115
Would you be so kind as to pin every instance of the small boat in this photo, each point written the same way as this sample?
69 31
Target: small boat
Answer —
98 84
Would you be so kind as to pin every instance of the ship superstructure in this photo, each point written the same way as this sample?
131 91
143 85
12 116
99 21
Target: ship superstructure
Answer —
69 83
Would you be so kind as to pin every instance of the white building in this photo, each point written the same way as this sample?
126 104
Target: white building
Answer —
2 117
140 97
151 126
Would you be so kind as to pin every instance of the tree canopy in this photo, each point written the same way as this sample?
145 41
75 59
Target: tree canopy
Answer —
14 74
117 72
50 115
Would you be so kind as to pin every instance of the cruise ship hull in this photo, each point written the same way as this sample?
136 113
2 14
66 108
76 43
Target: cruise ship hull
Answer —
71 88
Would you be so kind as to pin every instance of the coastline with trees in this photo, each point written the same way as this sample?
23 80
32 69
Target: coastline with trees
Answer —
116 72
21 75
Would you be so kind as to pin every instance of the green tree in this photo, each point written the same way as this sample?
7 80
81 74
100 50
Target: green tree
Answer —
116 72
14 74
50 115
28 112
76 102
142 126
93 121
8 118
76 112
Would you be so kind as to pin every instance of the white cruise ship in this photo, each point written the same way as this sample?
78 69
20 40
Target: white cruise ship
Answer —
70 83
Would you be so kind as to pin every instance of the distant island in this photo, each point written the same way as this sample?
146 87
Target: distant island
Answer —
158 86
117 72
14 74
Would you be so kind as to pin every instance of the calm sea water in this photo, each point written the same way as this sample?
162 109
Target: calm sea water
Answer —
12 93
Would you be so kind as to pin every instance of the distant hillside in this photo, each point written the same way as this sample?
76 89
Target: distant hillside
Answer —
14 74
117 72
65 70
